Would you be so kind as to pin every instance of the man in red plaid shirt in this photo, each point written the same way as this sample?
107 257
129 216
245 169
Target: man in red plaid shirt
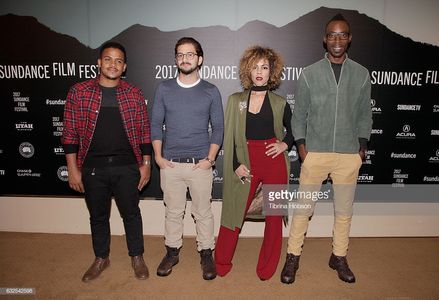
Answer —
106 139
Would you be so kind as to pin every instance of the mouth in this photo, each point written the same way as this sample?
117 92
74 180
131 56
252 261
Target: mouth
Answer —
259 78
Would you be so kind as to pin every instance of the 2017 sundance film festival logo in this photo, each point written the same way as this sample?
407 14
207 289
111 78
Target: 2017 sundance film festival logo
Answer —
63 174
406 133
369 155
26 149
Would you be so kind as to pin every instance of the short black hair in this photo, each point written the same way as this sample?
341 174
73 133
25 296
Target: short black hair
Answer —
115 45
338 17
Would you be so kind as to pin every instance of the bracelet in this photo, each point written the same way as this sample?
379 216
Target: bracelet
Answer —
146 162
212 162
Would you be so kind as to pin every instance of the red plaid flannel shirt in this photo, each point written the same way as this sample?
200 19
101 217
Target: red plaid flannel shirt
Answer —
82 109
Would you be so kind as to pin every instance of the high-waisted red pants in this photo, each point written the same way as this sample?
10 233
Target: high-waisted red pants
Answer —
267 170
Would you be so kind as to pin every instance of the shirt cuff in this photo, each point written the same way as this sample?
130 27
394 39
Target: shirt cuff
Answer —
70 148
363 143
146 149
300 142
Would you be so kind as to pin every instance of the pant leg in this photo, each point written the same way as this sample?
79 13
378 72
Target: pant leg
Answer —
174 197
124 182
344 179
272 171
228 239
225 249
98 199
314 171
200 182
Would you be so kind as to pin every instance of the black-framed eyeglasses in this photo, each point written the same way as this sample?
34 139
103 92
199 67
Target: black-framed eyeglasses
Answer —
189 55
341 35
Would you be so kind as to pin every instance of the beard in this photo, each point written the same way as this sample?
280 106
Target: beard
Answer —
187 71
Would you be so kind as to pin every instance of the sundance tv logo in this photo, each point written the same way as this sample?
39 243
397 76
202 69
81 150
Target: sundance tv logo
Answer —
406 134
410 107
26 150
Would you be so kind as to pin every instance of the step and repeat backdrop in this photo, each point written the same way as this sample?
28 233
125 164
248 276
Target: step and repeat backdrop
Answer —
38 66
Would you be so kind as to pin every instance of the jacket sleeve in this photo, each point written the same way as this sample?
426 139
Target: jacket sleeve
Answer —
143 125
301 108
364 127
70 138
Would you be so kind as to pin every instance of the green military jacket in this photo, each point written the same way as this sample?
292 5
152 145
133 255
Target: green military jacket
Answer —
235 194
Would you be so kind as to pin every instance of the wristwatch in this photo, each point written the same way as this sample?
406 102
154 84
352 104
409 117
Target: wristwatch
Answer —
212 162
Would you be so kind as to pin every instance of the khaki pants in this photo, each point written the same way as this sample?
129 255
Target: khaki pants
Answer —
343 170
174 183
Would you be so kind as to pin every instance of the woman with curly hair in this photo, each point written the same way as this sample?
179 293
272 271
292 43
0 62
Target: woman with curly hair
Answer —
255 145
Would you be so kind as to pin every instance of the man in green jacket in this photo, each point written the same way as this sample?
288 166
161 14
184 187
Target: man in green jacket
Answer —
331 124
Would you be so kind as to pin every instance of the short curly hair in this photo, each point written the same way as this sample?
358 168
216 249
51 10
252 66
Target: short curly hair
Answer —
251 57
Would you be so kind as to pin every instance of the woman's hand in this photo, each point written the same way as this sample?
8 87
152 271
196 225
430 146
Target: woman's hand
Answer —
275 149
243 173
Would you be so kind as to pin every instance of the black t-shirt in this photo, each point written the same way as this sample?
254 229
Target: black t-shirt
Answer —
110 145
260 126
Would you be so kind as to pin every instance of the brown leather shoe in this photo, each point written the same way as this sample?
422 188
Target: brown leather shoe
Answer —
139 267
291 266
99 265
169 260
207 264
340 264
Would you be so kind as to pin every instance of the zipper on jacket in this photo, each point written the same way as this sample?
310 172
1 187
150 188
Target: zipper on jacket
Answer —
336 100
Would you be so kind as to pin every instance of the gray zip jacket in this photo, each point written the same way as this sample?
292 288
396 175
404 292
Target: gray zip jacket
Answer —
333 117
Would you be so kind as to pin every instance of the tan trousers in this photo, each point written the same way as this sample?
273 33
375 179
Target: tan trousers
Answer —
174 183
343 170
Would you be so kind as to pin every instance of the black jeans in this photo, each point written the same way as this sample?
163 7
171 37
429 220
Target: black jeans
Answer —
100 185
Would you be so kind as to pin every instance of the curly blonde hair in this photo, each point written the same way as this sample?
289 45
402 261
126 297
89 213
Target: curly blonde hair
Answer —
251 57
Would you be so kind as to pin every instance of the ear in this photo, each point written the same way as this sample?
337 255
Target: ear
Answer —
124 67
99 62
350 38
200 60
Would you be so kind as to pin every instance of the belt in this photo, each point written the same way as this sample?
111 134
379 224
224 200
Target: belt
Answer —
186 160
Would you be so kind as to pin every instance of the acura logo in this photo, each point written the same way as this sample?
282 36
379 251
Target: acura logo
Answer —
406 128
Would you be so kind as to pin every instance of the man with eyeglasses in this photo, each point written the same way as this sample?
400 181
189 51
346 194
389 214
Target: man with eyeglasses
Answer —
185 109
331 124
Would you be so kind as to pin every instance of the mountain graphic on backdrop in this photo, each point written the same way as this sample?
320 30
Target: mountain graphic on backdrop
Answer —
151 59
